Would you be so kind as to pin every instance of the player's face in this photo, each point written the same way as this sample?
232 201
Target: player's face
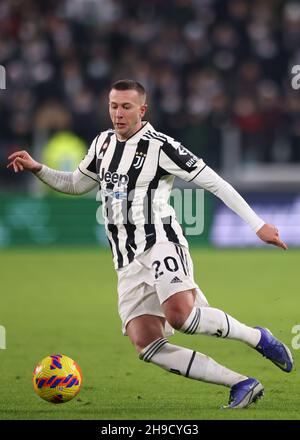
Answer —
126 109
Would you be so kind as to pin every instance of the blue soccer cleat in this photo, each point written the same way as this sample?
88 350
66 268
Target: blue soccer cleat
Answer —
273 349
243 393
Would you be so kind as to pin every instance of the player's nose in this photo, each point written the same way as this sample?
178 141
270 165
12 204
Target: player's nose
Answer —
119 113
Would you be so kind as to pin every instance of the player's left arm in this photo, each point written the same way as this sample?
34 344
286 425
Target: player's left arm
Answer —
210 180
179 161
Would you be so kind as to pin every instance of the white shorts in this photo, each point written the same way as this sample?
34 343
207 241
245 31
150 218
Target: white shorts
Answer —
151 278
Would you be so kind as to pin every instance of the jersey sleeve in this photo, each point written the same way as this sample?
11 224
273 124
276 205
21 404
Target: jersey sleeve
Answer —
74 183
179 161
214 183
88 165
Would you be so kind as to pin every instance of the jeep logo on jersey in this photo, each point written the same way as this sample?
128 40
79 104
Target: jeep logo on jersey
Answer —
139 160
108 177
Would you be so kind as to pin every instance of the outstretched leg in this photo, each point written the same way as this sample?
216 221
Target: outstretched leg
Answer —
185 317
147 334
181 313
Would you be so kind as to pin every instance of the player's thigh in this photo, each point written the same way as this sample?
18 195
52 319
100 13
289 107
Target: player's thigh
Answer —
145 329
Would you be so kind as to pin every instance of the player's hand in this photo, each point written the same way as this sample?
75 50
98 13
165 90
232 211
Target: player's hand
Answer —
270 234
21 160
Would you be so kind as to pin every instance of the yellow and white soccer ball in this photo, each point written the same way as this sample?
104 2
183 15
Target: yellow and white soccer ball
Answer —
57 378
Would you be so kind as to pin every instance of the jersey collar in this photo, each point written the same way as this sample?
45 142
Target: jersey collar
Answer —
138 134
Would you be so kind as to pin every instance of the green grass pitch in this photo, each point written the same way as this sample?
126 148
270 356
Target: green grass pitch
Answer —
65 301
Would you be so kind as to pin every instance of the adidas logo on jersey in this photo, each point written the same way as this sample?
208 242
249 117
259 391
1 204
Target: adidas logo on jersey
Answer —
176 280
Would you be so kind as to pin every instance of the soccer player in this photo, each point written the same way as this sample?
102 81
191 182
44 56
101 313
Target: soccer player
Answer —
134 166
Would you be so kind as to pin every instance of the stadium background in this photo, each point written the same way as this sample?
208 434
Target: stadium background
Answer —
218 75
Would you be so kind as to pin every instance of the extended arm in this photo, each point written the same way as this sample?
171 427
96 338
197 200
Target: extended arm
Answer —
180 162
75 183
210 180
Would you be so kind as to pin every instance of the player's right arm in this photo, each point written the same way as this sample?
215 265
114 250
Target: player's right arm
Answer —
81 181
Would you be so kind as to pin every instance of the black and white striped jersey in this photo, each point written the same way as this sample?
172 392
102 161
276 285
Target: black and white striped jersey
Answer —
136 178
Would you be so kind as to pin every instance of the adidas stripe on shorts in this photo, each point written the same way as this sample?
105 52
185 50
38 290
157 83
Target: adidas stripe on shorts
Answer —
151 278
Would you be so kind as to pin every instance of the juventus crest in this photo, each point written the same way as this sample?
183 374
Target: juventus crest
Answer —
139 160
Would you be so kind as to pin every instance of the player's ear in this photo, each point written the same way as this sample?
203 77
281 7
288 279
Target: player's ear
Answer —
144 108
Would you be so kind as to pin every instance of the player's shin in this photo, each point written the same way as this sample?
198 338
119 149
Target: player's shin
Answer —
188 363
215 322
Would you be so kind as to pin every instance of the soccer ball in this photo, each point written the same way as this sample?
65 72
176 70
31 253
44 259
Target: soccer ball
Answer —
57 378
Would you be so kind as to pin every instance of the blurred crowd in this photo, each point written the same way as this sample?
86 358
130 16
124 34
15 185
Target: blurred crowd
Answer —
208 65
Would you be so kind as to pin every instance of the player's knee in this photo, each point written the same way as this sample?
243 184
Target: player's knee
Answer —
175 318
178 307
145 329
141 343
